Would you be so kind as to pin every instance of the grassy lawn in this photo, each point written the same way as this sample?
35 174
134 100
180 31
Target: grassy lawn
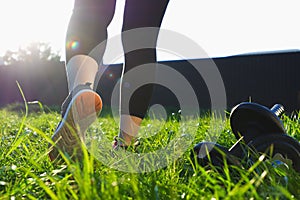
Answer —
27 173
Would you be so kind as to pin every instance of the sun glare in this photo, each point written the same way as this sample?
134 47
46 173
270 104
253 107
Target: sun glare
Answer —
219 27
23 22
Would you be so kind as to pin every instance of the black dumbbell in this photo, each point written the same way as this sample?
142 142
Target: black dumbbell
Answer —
263 131
251 120
260 128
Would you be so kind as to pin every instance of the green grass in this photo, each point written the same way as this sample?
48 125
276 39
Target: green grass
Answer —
27 173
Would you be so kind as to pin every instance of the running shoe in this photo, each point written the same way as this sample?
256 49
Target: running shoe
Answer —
80 109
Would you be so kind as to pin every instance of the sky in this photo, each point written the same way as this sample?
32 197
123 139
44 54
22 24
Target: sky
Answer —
221 28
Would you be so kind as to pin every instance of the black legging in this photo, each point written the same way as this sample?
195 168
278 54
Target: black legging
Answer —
88 27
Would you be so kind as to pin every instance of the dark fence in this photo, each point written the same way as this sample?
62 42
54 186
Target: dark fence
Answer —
265 78
45 82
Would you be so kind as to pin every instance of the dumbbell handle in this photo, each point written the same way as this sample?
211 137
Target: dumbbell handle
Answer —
277 109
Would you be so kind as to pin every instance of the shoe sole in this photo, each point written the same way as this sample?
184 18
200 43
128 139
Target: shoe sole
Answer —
82 111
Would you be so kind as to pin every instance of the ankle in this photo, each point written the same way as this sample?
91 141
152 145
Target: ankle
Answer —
129 127
125 139
119 143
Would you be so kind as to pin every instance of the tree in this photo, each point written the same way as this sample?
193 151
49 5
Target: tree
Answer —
34 52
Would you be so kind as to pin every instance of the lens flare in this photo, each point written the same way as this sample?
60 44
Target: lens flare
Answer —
73 45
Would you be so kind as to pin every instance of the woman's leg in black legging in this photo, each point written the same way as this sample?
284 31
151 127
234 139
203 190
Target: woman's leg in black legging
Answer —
87 28
138 14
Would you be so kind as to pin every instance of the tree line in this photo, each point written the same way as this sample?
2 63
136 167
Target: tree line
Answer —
39 72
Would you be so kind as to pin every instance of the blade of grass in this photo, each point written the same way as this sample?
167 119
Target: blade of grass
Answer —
18 140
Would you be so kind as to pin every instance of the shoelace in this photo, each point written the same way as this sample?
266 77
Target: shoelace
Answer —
78 88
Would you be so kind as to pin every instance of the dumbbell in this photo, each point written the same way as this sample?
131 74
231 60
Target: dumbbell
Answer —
262 130
249 120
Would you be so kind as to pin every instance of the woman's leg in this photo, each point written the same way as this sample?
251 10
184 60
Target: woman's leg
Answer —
138 14
87 28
